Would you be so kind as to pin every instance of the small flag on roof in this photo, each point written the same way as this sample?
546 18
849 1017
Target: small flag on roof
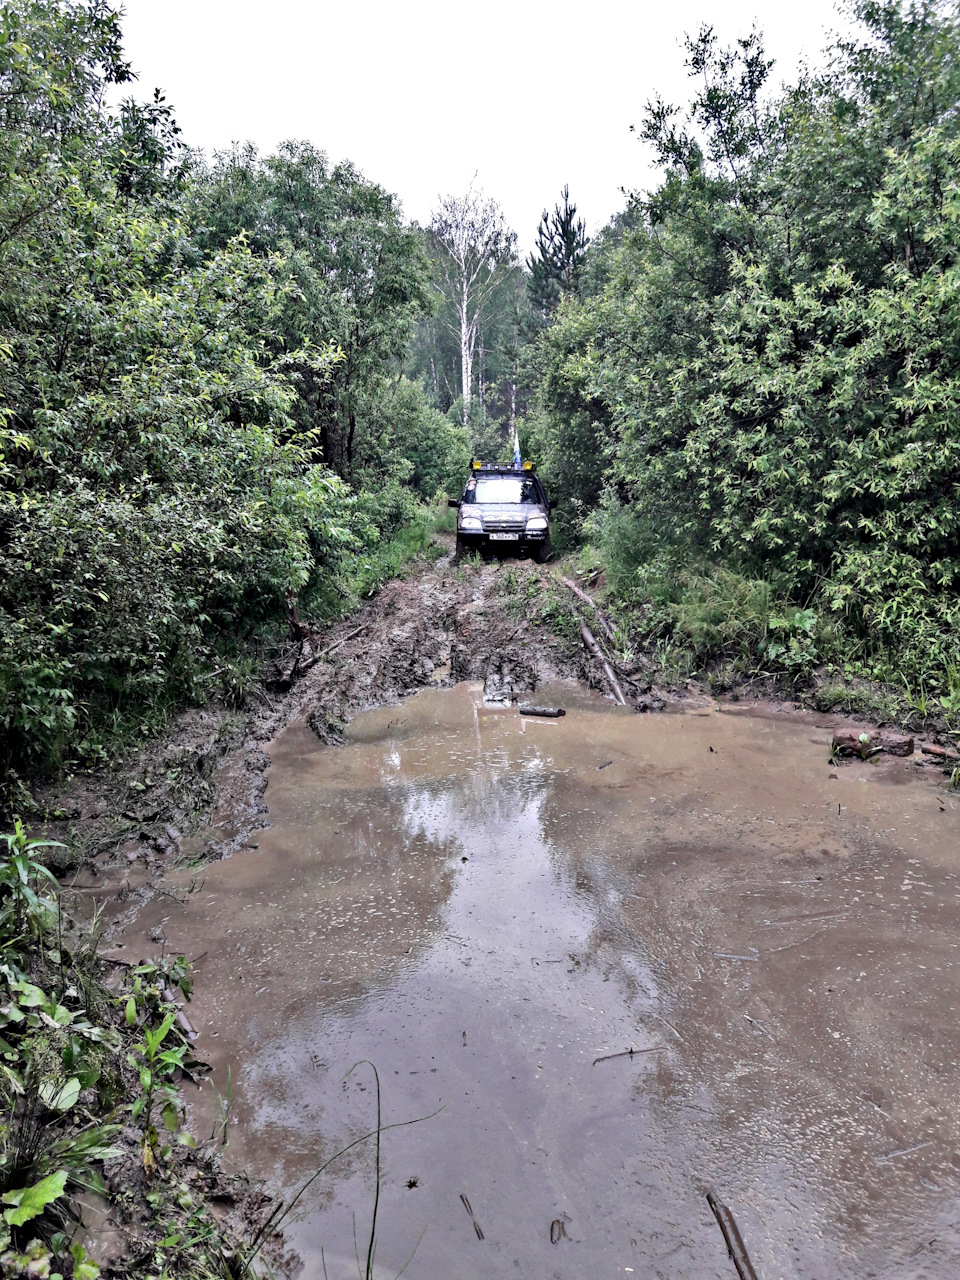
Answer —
517 460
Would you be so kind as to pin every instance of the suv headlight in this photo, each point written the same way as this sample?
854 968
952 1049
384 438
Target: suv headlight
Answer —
472 522
536 524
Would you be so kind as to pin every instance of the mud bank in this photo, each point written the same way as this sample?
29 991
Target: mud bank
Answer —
487 907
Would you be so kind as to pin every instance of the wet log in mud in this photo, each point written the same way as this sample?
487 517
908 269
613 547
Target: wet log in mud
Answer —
589 639
870 742
588 600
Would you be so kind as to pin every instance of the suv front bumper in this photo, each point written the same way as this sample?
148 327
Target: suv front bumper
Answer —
476 539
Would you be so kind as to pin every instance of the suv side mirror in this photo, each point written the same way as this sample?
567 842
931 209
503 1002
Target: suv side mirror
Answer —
453 502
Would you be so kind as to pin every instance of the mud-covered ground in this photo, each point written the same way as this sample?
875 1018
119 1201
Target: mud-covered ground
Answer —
665 856
198 792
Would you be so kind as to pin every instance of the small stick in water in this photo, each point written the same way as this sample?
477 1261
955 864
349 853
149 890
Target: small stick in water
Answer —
628 1053
731 1234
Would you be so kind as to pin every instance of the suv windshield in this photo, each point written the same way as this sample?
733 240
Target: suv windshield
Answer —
501 489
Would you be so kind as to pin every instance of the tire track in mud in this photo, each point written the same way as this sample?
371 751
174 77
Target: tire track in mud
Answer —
197 792
449 623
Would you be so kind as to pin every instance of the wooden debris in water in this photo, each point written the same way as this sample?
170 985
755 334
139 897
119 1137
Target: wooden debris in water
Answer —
629 1053
731 1234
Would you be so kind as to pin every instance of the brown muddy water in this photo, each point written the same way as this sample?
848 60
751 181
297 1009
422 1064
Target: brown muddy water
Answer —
483 905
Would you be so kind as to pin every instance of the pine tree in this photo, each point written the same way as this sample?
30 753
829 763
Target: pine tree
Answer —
557 260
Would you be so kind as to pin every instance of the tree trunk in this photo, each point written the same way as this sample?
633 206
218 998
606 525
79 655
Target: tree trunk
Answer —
466 355
353 427
483 383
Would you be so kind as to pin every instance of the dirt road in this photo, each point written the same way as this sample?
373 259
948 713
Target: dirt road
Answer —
492 909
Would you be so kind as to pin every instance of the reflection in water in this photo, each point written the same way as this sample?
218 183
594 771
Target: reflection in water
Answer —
483 905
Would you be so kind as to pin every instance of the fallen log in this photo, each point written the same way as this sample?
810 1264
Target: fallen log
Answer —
528 709
301 668
608 631
731 1234
332 648
866 743
857 742
589 639
940 753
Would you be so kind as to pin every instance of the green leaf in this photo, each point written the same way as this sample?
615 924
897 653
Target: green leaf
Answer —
84 1267
14 1078
29 1202
131 1012
29 996
60 1096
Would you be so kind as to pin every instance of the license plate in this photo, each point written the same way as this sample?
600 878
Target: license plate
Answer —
504 537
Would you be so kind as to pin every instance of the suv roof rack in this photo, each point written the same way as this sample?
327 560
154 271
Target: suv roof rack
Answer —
477 465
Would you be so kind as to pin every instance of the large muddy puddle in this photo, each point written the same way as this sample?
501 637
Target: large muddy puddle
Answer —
487 907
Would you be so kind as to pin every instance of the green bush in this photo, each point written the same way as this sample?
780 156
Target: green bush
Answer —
767 371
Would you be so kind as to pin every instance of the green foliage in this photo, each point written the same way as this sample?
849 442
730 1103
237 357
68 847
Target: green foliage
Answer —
28 1202
355 279
66 1071
557 261
950 700
156 505
158 1068
767 371
50 1051
416 443
22 906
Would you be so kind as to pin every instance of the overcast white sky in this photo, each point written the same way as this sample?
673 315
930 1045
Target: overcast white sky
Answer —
423 94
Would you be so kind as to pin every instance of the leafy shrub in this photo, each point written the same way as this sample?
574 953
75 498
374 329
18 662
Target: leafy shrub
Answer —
153 509
768 364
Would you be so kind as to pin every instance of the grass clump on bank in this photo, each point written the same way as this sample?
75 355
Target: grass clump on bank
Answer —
89 1099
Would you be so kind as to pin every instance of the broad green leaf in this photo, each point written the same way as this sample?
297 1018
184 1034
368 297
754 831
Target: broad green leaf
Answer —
60 1095
29 1202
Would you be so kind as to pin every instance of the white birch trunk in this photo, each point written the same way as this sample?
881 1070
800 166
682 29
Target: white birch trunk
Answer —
482 383
466 353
